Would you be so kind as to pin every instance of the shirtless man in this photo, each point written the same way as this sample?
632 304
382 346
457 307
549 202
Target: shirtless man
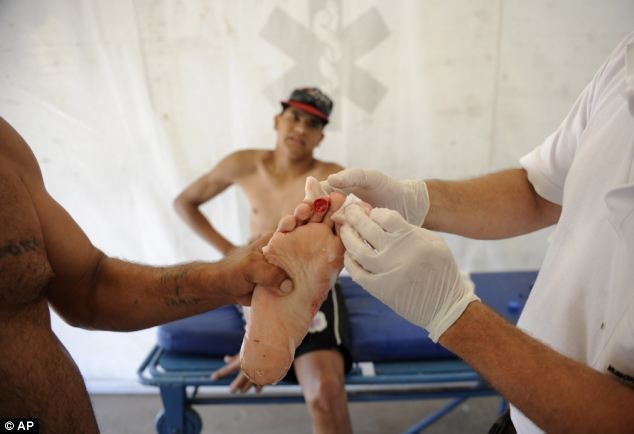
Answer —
45 258
273 181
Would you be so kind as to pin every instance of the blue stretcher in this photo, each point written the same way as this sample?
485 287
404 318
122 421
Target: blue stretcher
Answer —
394 360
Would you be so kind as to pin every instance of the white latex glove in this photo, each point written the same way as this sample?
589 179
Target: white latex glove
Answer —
410 269
410 197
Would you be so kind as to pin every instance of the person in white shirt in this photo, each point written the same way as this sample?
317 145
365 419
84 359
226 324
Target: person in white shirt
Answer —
569 364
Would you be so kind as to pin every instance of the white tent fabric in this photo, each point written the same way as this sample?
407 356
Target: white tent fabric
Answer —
124 103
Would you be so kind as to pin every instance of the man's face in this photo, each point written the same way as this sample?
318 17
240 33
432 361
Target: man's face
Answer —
299 132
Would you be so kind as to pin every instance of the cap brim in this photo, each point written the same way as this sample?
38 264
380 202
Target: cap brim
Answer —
307 108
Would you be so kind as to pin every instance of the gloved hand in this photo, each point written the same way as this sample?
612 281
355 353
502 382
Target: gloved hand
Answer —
410 198
410 269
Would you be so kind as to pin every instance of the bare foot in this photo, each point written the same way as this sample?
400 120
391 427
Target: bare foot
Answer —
307 248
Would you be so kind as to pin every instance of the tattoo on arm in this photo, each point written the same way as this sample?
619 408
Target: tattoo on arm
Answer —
16 248
180 301
174 278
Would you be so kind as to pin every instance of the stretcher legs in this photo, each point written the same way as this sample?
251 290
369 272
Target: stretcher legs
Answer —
177 418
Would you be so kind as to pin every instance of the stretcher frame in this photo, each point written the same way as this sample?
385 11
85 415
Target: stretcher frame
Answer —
367 382
184 379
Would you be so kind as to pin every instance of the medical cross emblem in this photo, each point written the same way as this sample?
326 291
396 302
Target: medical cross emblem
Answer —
325 53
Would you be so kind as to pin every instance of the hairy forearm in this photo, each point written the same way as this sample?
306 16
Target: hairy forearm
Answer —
125 296
500 205
557 393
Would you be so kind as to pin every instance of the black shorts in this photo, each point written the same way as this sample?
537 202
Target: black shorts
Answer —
329 329
504 424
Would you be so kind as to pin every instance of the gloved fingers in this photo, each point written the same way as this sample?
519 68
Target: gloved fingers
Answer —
357 272
353 242
325 187
328 189
389 220
368 230
349 178
358 249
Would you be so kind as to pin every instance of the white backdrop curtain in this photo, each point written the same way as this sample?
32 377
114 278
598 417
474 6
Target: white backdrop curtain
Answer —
126 102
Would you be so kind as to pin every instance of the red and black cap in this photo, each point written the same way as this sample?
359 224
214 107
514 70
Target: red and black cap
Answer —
311 100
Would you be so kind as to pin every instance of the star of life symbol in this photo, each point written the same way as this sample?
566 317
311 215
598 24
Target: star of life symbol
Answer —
325 53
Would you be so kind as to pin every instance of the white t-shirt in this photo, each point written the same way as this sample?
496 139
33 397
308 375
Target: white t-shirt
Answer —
582 304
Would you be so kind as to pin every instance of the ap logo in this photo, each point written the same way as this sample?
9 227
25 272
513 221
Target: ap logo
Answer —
30 425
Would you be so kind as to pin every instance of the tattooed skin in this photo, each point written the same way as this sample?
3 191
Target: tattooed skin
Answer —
15 248
173 278
24 270
179 301
33 362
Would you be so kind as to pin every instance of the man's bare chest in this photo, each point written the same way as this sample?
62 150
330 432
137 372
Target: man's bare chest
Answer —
24 266
270 200
269 205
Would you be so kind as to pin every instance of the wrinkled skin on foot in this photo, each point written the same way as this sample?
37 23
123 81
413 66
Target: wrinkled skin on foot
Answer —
306 246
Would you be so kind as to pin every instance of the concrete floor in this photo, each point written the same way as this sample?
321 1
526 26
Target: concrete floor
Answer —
134 414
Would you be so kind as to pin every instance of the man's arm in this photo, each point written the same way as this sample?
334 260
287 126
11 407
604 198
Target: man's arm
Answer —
412 270
500 205
92 290
223 175
110 294
555 392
